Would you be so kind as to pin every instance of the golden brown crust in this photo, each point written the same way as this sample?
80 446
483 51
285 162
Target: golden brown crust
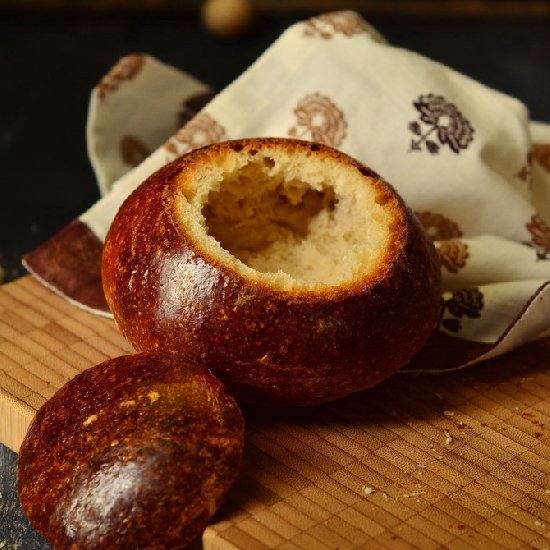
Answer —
270 346
134 453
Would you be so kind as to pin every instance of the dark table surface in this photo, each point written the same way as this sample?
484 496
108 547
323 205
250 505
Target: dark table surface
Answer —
49 64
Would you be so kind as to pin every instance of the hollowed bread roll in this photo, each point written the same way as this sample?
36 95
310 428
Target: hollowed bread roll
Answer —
296 273
137 452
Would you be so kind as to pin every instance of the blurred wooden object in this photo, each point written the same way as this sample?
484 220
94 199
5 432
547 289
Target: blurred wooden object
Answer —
398 7
227 18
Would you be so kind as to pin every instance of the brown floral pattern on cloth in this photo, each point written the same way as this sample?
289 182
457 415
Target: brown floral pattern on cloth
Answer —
347 23
133 151
126 69
540 236
319 119
444 123
453 255
445 352
438 227
541 153
70 262
466 302
201 131
191 106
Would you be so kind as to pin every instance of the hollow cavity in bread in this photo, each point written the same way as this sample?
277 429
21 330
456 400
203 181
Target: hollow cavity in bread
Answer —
299 220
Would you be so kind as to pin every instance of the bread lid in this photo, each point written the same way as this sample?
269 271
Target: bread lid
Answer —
136 452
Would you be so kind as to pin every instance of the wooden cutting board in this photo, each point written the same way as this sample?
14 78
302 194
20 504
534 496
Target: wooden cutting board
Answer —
458 460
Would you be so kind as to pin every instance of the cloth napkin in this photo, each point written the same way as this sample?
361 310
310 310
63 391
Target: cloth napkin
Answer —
466 159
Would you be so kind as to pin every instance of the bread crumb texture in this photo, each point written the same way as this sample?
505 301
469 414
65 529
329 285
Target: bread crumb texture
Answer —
290 218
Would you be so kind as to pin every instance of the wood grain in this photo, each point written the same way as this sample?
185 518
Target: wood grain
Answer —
457 460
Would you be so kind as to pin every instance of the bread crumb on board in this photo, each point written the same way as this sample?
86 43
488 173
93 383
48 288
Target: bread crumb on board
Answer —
367 490
416 495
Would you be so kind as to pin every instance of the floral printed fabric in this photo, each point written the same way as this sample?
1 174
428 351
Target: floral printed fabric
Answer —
133 109
466 158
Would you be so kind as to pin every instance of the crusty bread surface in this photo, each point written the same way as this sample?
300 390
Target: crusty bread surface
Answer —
134 453
294 272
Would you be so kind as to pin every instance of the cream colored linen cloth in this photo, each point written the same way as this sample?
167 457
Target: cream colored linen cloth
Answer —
466 158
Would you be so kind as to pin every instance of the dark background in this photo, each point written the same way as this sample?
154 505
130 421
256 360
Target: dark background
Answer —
50 62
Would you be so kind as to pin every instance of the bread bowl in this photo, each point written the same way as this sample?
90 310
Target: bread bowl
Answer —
134 453
294 272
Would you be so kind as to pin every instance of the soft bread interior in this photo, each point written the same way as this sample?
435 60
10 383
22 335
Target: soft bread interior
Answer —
292 218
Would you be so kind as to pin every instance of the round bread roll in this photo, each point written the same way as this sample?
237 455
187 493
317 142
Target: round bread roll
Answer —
296 273
134 453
